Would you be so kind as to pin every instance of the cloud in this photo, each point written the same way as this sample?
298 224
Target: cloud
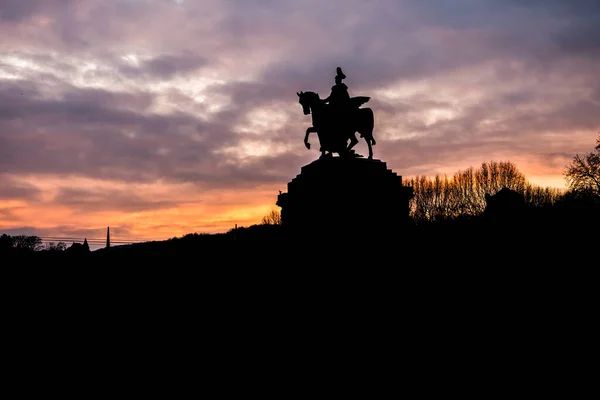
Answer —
108 135
98 133
15 10
108 200
22 230
11 188
7 214
162 67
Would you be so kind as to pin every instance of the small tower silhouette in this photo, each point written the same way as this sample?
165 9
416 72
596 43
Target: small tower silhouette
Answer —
86 246
108 237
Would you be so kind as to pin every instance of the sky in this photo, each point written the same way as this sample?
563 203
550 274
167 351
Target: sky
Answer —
160 118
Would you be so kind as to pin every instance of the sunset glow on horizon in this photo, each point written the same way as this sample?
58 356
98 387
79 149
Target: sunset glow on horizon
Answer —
161 118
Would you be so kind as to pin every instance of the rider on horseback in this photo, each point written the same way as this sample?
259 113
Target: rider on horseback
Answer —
337 123
341 107
338 107
339 99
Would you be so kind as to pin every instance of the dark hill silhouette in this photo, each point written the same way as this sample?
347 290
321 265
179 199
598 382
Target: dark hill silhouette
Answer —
556 235
466 275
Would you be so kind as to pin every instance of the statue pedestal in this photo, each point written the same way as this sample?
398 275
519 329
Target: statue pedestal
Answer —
347 198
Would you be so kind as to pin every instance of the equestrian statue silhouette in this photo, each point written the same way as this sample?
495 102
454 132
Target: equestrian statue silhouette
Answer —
337 118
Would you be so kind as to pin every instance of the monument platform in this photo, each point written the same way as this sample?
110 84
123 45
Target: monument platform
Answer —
345 197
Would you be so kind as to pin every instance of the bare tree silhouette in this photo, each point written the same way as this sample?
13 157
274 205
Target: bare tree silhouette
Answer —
272 218
27 242
464 194
583 174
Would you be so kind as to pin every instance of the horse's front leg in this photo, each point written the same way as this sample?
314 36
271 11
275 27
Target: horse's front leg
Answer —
308 132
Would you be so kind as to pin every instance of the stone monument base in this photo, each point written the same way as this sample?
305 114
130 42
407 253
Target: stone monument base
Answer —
338 197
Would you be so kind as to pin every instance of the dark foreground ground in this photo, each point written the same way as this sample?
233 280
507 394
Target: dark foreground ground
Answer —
436 308
466 265
481 244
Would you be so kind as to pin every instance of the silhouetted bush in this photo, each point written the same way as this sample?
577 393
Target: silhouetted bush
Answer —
583 174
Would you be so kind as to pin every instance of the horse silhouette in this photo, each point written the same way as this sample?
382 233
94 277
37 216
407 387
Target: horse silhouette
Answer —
334 129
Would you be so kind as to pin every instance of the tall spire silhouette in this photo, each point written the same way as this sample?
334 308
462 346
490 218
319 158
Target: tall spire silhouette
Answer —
108 237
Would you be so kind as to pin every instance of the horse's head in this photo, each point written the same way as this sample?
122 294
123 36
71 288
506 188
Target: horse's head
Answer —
307 100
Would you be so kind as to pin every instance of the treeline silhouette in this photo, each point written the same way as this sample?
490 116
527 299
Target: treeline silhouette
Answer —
464 194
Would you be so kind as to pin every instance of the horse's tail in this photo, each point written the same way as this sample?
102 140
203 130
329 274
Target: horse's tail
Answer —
366 123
